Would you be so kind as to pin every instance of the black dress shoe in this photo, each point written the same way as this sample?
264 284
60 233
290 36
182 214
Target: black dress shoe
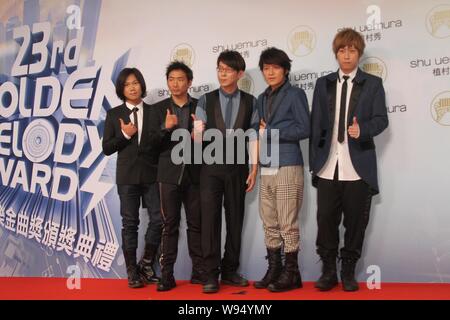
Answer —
167 283
211 286
234 279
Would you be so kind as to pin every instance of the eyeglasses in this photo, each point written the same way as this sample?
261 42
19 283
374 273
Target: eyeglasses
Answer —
225 70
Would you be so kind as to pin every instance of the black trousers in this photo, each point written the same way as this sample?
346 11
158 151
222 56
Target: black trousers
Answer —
130 196
222 184
350 199
172 196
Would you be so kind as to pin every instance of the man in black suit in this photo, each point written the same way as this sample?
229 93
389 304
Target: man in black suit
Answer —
127 132
179 183
348 111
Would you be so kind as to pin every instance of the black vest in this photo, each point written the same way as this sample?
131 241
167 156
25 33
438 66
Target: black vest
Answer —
215 119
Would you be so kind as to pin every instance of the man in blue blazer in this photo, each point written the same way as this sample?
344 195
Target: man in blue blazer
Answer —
348 111
284 121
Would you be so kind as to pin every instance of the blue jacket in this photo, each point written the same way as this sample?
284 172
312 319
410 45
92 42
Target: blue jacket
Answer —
290 115
368 105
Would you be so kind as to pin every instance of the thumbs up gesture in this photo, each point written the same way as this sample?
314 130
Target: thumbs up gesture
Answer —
262 127
128 128
171 120
353 130
199 127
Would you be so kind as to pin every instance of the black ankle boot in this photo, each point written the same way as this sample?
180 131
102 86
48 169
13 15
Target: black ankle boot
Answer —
349 282
134 278
146 270
211 285
198 276
328 280
274 270
233 279
290 277
167 282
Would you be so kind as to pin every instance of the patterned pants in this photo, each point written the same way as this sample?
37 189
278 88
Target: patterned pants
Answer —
281 197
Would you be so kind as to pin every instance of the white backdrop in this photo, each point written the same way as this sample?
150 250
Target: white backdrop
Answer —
408 44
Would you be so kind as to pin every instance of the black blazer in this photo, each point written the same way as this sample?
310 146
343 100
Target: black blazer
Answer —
160 138
136 164
368 105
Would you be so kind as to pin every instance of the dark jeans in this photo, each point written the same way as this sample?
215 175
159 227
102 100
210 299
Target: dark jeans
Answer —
222 184
130 200
335 199
172 196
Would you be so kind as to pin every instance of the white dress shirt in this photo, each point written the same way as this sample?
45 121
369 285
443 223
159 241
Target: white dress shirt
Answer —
140 117
339 152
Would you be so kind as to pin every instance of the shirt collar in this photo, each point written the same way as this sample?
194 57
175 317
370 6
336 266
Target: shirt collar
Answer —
352 74
269 91
131 107
229 95
188 103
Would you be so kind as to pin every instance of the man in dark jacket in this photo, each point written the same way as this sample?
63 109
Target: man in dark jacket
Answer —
179 183
284 121
127 133
348 111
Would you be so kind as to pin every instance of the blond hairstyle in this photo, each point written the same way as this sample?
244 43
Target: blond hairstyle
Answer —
348 37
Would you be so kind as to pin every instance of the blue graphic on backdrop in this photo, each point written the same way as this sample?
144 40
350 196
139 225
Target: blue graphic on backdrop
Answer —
52 107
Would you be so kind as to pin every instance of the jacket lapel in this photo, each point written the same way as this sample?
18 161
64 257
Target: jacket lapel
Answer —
145 115
331 96
278 99
240 118
358 84
124 113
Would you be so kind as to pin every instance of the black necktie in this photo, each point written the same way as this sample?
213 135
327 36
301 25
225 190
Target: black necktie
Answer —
341 130
135 118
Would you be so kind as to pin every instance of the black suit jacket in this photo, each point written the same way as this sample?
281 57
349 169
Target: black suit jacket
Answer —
136 164
368 105
160 139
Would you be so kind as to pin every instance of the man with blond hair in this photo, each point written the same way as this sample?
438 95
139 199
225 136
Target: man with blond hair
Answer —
348 111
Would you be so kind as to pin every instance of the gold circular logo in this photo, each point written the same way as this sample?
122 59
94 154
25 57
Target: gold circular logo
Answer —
440 108
185 53
301 41
374 66
438 21
246 83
